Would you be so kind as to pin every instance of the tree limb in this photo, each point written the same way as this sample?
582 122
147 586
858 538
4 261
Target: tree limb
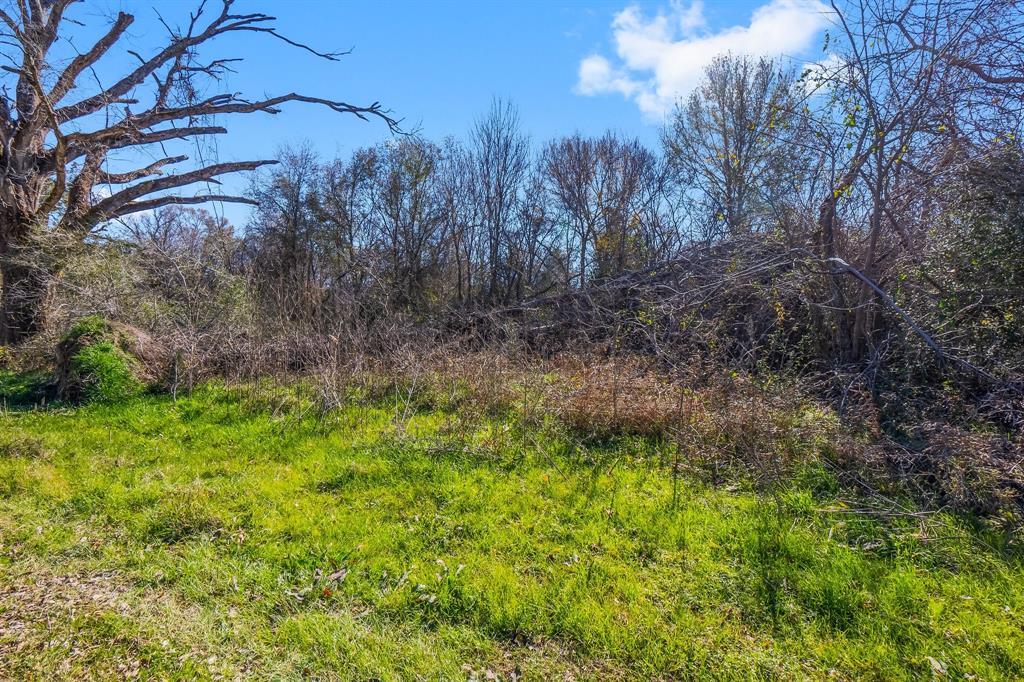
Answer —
66 81
118 138
110 206
844 267
105 178
150 204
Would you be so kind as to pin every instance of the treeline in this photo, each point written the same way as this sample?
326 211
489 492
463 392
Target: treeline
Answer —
416 225
494 219
863 216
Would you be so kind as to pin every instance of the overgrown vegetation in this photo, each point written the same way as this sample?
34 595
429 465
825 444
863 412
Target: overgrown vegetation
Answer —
96 361
749 404
239 532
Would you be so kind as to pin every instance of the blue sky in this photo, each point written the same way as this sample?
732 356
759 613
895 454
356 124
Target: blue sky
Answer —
587 66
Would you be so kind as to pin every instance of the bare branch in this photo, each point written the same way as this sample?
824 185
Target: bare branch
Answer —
232 104
150 204
67 79
224 23
119 137
111 205
155 168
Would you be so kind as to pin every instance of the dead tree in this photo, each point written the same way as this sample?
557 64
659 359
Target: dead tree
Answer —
56 133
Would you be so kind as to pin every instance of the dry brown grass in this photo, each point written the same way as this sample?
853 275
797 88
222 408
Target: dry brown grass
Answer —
722 425
38 613
964 470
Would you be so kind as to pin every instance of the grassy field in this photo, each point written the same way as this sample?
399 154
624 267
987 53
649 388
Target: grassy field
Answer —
226 535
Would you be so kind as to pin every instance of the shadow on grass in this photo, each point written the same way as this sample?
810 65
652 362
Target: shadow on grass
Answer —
20 391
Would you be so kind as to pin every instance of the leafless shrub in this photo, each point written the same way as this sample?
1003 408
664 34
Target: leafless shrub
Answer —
962 470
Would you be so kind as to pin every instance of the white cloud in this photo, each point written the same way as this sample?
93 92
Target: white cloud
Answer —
816 74
691 19
663 57
598 77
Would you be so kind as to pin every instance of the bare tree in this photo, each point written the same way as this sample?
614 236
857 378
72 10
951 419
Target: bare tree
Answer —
894 106
284 235
530 255
605 194
56 133
342 207
733 142
408 213
462 216
632 181
500 154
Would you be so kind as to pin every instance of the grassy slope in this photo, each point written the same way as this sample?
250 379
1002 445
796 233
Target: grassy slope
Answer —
210 538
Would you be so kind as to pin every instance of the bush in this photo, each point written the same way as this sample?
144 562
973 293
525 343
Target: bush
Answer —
98 361
105 373
24 389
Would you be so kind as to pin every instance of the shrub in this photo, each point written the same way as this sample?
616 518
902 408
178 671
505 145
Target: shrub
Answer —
24 389
620 397
105 373
88 326
98 361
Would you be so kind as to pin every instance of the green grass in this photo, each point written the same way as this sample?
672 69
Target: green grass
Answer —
228 536
22 390
101 369
105 372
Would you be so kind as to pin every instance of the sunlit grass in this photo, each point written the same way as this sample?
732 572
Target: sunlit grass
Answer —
234 533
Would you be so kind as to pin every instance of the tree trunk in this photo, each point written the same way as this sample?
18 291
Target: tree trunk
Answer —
841 346
23 299
24 281
863 320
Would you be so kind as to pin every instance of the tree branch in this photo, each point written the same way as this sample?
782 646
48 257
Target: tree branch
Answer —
231 104
844 267
121 137
150 204
105 178
67 79
110 206
949 56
